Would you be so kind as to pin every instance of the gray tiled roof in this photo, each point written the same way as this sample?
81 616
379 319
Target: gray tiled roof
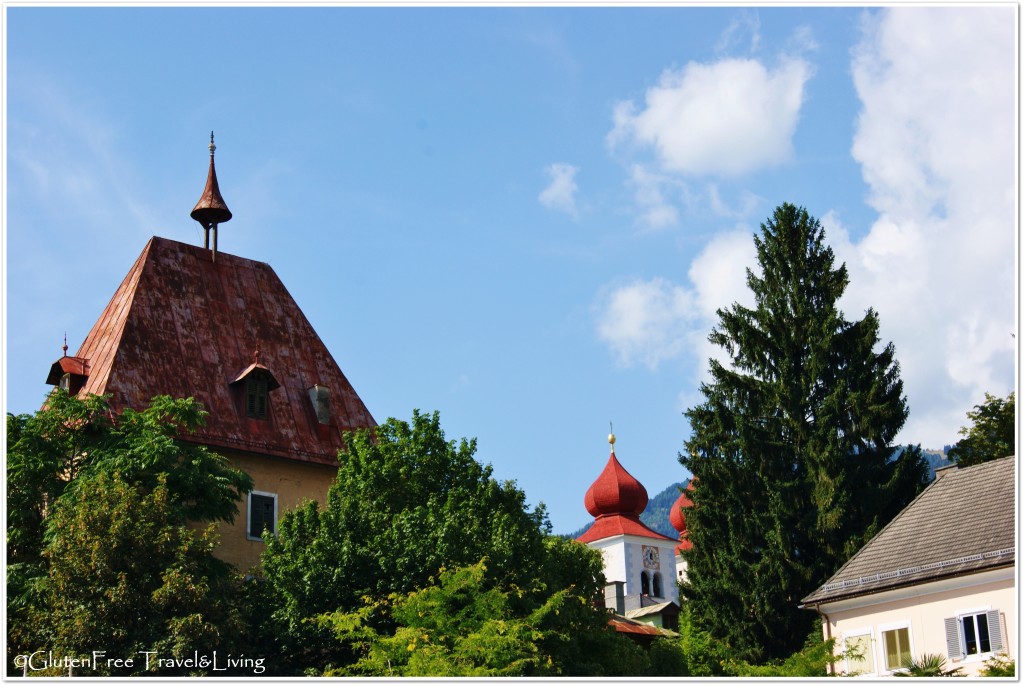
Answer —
963 522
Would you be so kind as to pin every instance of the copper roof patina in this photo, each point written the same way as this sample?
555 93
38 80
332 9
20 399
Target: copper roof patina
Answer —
183 325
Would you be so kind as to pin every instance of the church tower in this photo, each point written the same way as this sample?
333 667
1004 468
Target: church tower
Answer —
677 517
639 563
189 321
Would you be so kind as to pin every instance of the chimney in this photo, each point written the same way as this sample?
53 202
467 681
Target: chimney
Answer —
615 597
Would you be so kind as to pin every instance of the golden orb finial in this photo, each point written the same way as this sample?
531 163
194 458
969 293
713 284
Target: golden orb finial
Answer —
611 437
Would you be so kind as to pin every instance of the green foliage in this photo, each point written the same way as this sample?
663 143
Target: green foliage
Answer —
462 624
813 660
991 435
695 653
56 461
999 665
406 503
928 665
702 655
126 575
791 447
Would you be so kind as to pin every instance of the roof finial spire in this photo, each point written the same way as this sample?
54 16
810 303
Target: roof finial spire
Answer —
611 437
65 348
211 209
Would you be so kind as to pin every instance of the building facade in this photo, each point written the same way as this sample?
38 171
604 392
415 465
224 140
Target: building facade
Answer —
639 563
188 321
938 580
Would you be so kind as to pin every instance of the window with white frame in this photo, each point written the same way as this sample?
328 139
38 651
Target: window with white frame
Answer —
973 633
859 654
896 647
261 515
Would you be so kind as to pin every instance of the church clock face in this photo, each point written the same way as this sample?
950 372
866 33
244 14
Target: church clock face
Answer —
650 555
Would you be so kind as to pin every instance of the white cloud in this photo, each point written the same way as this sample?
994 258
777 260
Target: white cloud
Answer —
560 194
935 141
725 118
652 321
746 25
647 322
655 212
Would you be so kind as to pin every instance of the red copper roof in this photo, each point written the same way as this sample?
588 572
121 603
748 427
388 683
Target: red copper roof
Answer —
615 525
183 325
615 491
67 365
616 500
211 208
678 519
625 625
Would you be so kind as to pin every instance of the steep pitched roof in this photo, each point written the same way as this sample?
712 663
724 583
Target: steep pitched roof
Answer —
183 325
962 523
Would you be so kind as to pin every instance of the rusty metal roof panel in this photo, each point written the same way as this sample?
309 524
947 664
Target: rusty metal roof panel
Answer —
183 325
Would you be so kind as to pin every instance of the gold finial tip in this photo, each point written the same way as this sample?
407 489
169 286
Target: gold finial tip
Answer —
611 438
212 146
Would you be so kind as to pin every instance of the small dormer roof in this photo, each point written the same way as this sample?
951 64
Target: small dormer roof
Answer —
78 366
272 383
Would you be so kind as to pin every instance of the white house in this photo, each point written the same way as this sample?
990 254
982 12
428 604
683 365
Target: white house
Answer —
939 579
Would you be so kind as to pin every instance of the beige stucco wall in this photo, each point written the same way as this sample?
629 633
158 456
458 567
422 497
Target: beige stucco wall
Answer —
290 480
923 610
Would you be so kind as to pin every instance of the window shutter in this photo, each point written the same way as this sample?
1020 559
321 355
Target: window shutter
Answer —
953 648
995 630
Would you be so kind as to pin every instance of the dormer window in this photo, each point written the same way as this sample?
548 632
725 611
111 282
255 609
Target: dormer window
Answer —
256 395
69 374
254 386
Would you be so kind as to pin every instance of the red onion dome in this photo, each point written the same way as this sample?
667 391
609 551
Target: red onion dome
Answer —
676 516
615 492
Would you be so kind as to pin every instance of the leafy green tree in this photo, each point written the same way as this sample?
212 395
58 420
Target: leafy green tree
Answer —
792 447
464 625
406 503
812 660
55 454
128 576
991 435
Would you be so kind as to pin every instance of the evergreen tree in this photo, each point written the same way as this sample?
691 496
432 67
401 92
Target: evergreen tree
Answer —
791 448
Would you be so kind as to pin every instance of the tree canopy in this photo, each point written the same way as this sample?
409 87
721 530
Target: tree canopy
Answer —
991 435
791 448
405 504
465 624
103 536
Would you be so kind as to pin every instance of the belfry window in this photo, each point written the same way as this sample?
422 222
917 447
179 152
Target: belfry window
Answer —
645 584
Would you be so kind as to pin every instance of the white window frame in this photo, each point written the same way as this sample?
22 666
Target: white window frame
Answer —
249 535
858 633
881 666
979 656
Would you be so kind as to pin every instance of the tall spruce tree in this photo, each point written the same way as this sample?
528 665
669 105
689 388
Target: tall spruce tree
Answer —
791 448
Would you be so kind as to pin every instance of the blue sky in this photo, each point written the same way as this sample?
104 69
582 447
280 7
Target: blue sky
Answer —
525 218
